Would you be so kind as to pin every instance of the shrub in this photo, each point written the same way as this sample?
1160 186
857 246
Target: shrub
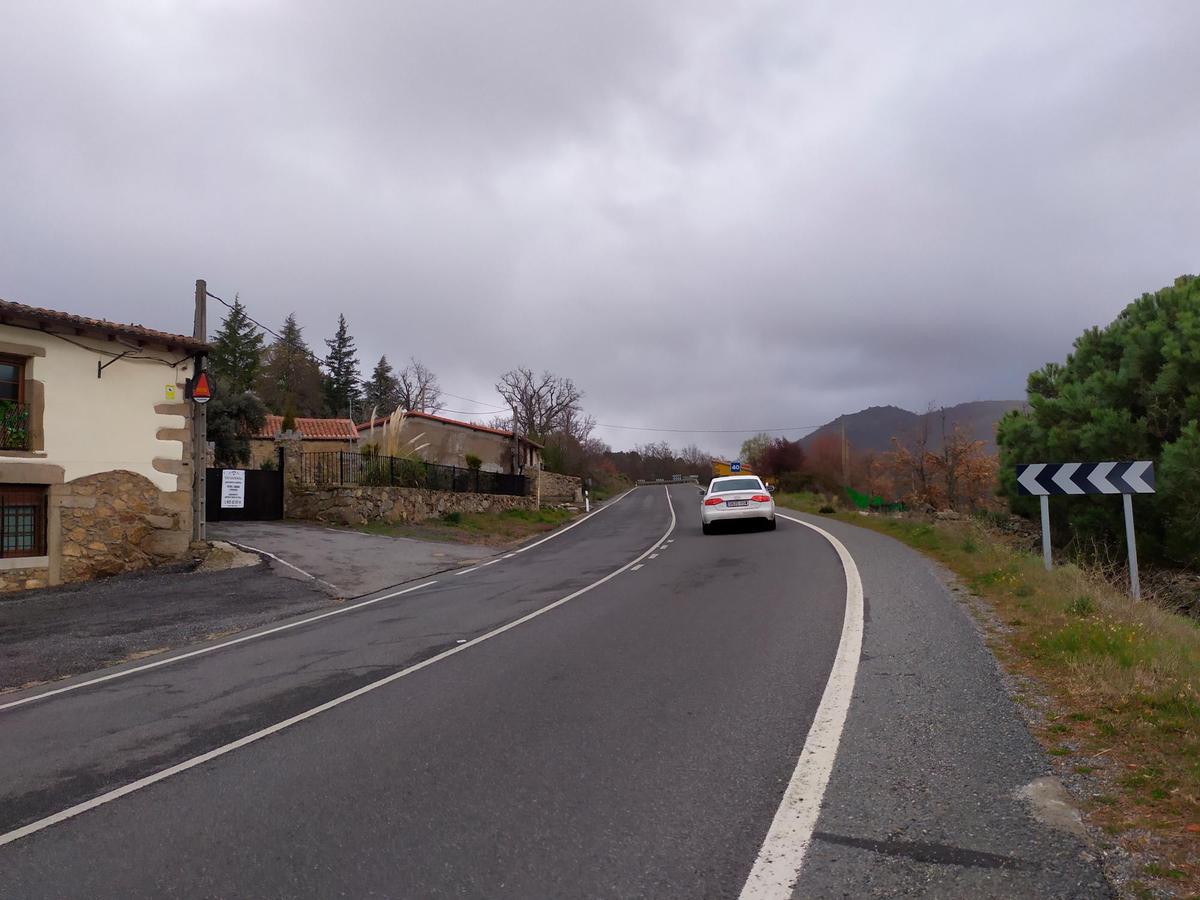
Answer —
826 510
473 462
1179 482
452 518
1082 606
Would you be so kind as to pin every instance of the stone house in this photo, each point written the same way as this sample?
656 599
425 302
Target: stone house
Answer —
316 436
95 446
451 441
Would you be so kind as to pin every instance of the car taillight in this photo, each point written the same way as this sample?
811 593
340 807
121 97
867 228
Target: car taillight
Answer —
713 501
761 498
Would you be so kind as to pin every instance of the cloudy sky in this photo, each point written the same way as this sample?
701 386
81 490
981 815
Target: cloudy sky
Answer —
709 215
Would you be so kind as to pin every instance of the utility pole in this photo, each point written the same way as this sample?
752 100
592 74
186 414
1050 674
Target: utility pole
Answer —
516 449
200 424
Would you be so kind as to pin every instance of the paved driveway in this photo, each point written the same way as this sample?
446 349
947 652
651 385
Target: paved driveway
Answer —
349 563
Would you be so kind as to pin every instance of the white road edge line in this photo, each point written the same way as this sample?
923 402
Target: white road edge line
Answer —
209 649
280 559
781 857
249 637
609 505
79 808
551 536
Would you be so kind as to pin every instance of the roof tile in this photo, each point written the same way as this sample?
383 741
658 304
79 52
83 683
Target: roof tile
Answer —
311 429
12 313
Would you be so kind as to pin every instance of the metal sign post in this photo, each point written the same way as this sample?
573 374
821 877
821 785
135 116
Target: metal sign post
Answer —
1135 585
1125 478
1046 557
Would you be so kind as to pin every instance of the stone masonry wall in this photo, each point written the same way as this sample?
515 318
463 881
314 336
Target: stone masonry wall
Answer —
23 579
556 488
358 505
118 522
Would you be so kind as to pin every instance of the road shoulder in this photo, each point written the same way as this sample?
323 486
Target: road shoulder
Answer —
56 633
930 791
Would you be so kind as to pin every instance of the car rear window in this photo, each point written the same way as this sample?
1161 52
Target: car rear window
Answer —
736 484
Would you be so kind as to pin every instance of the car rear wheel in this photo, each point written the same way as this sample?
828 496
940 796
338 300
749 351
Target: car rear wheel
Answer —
770 524
706 528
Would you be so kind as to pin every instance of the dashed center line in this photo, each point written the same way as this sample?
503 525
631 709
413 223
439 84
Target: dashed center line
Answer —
638 566
654 556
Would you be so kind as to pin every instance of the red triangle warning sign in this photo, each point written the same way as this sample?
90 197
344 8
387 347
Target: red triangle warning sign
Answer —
201 389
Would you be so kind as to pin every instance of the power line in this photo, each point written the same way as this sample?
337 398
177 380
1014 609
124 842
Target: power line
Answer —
709 430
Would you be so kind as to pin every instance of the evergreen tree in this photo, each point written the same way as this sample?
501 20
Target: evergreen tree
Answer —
232 419
1130 390
236 356
290 373
343 393
383 390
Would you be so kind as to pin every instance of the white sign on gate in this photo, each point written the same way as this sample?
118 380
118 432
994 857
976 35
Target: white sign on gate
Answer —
233 489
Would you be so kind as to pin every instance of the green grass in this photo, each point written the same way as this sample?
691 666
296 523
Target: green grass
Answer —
805 501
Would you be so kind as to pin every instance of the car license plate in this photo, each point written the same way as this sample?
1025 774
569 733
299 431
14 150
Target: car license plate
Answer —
737 502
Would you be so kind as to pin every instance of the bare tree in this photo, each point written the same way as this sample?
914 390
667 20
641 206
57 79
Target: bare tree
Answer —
700 460
545 404
418 388
500 423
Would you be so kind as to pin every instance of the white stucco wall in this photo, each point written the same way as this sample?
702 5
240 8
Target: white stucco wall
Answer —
99 424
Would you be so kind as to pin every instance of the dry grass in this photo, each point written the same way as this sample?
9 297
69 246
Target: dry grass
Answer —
1123 680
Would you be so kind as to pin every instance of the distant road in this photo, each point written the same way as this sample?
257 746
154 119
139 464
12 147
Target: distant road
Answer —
479 736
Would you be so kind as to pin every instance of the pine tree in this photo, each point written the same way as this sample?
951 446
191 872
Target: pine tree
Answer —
383 391
343 393
236 356
290 373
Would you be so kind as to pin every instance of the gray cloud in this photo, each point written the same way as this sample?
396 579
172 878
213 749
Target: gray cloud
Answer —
741 214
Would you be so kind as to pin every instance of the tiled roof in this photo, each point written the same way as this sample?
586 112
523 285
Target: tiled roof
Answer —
36 317
474 426
312 429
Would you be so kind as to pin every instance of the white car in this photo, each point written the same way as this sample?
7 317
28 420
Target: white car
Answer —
736 497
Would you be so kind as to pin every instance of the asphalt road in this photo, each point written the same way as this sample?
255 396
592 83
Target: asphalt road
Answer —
635 740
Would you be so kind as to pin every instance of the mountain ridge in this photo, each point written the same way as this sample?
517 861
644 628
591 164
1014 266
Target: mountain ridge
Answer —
872 429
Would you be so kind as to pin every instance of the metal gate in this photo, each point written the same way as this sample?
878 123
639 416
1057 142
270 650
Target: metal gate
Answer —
263 499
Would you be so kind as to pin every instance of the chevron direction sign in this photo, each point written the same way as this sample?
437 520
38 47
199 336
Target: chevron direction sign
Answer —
1045 479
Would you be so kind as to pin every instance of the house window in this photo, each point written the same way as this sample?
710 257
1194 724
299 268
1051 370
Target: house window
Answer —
12 379
14 413
22 520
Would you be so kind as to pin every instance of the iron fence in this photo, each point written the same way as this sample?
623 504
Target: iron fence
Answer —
14 425
351 467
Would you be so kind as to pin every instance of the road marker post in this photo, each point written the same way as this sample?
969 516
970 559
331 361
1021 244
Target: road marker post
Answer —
1074 479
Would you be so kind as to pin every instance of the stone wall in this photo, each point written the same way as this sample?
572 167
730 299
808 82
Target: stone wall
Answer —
23 579
119 522
556 488
358 505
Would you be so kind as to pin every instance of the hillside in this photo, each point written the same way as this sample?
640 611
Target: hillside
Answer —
873 428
